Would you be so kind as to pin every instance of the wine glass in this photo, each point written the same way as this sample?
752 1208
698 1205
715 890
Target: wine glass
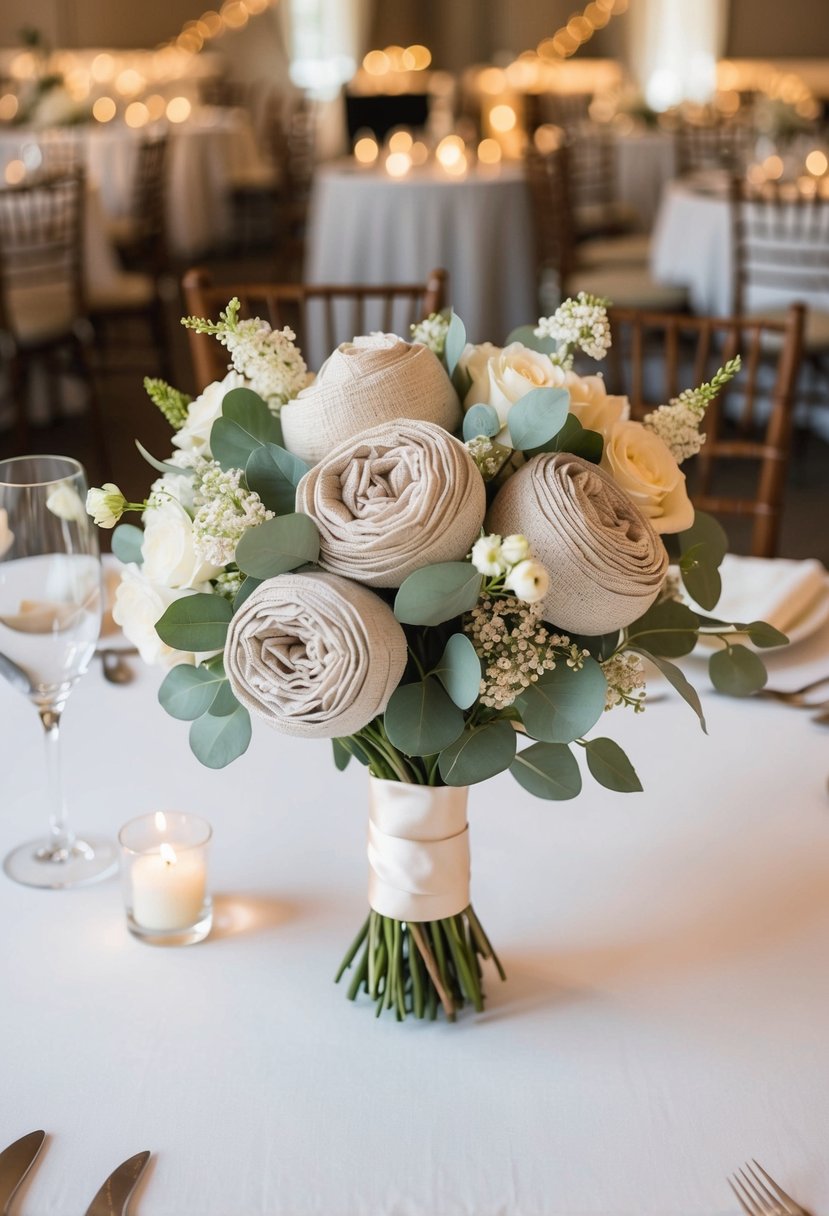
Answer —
50 618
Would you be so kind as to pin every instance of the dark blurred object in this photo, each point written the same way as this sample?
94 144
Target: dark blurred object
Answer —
382 112
720 144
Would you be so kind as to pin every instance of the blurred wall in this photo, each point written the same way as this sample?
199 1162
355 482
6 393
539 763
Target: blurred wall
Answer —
115 23
767 29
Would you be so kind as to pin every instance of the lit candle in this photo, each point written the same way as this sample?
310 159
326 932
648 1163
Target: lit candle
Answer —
167 890
164 870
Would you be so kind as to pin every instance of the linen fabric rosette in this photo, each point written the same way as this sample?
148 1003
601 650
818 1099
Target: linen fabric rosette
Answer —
606 562
364 382
392 499
314 655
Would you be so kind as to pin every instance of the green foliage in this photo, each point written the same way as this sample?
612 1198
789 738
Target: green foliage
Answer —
575 439
162 466
247 588
217 741
762 634
454 344
547 770
274 474
421 720
611 767
702 548
481 420
737 671
195 623
188 692
563 704
227 323
127 540
437 593
526 335
278 545
459 670
172 403
342 755
677 680
537 417
478 754
245 424
668 629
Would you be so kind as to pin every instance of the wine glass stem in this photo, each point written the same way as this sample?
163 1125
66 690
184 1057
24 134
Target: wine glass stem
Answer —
61 838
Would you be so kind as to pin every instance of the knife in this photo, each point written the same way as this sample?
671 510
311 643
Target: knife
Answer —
114 1195
15 1163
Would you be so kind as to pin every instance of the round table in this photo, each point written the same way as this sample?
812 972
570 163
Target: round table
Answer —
664 1017
367 227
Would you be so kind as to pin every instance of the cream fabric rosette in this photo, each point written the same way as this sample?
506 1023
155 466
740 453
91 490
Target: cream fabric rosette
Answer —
365 382
392 499
315 655
641 463
605 561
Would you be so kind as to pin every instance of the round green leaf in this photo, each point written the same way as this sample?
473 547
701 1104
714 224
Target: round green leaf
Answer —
225 701
127 540
420 719
709 534
547 770
478 754
762 634
437 593
195 622
218 741
187 692
481 420
537 417
701 576
668 629
245 424
459 670
564 704
576 440
248 586
275 474
278 545
737 671
455 342
611 767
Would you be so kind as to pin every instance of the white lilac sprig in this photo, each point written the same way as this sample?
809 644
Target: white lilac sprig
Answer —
267 358
507 564
625 675
432 332
224 511
678 423
172 403
577 324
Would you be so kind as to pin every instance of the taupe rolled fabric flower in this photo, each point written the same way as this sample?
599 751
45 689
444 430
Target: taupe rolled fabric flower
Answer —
605 561
315 655
393 499
363 383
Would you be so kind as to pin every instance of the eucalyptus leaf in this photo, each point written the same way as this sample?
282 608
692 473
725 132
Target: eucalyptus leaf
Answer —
707 532
225 701
248 586
455 343
611 767
577 440
481 420
195 622
526 335
547 770
187 692
668 629
737 671
245 424
217 741
563 704
478 754
127 540
437 593
162 466
677 680
537 417
342 755
274 474
278 545
701 576
459 670
763 635
421 720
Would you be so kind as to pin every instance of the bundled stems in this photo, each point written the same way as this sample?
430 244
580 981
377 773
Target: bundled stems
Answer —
417 968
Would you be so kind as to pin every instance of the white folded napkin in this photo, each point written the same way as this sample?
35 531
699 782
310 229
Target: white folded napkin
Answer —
777 590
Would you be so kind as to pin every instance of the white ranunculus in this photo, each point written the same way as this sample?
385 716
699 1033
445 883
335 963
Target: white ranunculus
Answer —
642 465
590 402
487 557
203 412
515 549
529 581
502 376
170 558
6 534
106 504
138 605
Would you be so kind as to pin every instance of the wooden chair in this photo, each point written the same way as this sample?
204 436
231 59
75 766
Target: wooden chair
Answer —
331 314
593 187
655 357
43 311
141 235
712 145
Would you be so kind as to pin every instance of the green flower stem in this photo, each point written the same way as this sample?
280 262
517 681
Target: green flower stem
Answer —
352 950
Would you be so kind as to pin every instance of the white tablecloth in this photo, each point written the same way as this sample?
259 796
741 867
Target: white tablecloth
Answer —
206 153
664 1018
369 228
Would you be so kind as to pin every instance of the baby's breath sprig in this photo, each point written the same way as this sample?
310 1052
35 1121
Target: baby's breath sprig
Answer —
677 424
432 332
577 324
625 675
172 403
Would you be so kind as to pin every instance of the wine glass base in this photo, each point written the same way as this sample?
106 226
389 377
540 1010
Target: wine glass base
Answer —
40 864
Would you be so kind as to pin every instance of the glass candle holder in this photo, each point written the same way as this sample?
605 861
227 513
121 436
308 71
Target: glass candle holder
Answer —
164 878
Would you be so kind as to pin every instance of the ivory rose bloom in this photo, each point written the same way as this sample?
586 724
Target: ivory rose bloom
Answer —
194 436
502 376
529 581
138 605
642 465
595 408
168 551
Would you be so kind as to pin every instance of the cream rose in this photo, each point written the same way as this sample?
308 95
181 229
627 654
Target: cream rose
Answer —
170 558
502 376
194 436
595 408
139 604
643 466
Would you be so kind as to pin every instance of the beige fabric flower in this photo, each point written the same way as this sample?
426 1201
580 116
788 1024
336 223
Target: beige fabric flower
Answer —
315 655
363 383
605 561
644 466
393 499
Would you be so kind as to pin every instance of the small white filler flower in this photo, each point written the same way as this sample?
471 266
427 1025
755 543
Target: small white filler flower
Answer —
529 581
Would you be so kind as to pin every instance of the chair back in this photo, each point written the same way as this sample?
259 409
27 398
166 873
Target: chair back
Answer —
149 200
780 243
717 145
591 156
320 315
548 180
655 356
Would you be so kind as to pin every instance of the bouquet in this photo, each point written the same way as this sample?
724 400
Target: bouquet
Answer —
452 561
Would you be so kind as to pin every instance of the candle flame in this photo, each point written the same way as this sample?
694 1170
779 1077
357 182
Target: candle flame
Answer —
160 821
168 854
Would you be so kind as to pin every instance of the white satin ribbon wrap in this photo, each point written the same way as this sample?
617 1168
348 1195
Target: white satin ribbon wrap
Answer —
418 850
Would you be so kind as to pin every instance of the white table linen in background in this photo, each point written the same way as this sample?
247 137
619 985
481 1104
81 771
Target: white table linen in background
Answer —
367 227
664 1018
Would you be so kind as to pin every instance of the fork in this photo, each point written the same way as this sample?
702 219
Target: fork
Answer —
755 1197
797 696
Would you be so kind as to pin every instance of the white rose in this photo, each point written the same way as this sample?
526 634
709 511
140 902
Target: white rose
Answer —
529 581
515 549
486 555
595 408
203 412
170 558
6 534
138 605
105 504
500 377
642 465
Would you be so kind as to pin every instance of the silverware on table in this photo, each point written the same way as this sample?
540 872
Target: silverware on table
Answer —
796 696
115 666
761 1195
15 1163
113 1197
